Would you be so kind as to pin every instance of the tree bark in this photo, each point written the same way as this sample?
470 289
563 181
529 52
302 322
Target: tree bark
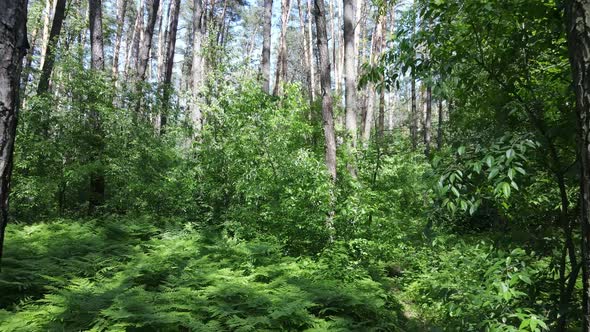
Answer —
13 46
578 35
428 121
266 35
170 48
145 43
97 180
281 72
121 13
413 115
58 18
199 63
439 132
306 50
376 48
350 64
133 41
326 86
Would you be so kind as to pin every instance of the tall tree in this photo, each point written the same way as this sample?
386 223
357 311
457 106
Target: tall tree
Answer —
97 180
413 113
266 37
427 120
199 60
169 62
350 64
46 70
145 42
307 59
326 86
121 14
578 33
281 72
13 46
376 48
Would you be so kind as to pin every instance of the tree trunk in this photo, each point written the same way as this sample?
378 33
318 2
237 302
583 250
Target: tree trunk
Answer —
308 63
439 132
162 33
428 121
326 86
13 46
414 115
145 43
281 72
350 73
578 35
266 35
170 48
121 11
376 49
133 41
310 54
58 18
96 39
199 61
97 181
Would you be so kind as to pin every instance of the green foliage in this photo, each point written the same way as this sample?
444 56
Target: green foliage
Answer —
124 274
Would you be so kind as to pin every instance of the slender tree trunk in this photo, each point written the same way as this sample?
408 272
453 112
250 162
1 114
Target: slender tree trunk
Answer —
198 66
281 72
439 132
121 14
13 46
307 58
133 41
266 35
350 70
428 121
414 115
58 18
97 180
47 19
162 33
170 48
310 48
578 33
326 86
376 49
145 44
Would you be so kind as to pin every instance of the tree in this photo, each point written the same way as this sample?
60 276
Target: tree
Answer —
578 36
326 86
169 61
13 46
281 72
49 58
350 66
199 61
428 121
121 15
145 42
266 36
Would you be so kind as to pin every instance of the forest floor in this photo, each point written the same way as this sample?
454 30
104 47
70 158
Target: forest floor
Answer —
141 275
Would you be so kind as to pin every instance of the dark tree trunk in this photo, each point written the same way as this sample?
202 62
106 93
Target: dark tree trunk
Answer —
266 35
13 46
281 72
326 86
96 39
578 33
97 180
170 48
428 121
58 18
145 43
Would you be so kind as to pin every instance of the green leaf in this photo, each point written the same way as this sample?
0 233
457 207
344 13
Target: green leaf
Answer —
461 150
510 153
493 173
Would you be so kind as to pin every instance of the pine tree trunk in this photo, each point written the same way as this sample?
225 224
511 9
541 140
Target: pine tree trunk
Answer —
376 49
306 57
266 35
145 43
97 180
133 41
58 18
350 73
578 33
13 46
121 13
170 48
281 72
326 86
428 121
199 63
414 115
439 132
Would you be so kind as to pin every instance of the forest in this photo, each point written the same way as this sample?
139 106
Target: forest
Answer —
295 165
